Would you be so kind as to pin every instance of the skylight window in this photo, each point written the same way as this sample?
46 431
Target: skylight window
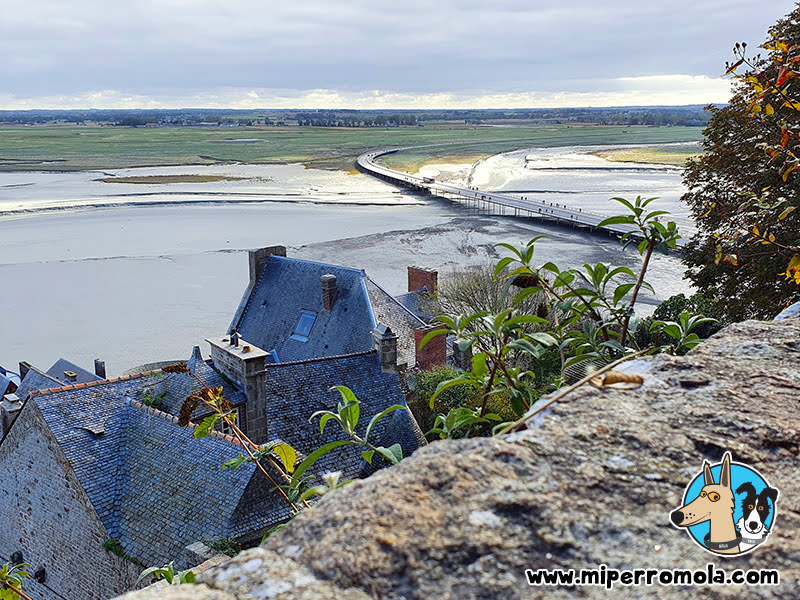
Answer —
304 325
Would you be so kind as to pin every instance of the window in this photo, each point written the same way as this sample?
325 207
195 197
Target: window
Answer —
304 325
223 427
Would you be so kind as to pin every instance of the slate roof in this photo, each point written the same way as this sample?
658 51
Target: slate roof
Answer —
296 390
153 485
62 364
415 302
288 286
177 386
271 311
36 380
402 321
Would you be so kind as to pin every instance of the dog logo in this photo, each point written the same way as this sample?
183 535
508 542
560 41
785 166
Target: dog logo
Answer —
728 509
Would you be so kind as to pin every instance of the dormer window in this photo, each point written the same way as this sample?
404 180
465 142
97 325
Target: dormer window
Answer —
304 325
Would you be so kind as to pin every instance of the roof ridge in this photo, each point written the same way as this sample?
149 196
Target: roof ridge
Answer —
321 358
160 414
316 262
78 386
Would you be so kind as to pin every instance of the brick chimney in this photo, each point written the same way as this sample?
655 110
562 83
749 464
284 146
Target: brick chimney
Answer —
258 258
434 354
244 365
330 291
385 342
419 278
100 368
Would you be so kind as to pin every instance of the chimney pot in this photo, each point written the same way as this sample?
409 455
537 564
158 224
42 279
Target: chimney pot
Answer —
330 291
100 368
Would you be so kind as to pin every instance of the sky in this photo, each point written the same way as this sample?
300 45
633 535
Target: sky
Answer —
372 54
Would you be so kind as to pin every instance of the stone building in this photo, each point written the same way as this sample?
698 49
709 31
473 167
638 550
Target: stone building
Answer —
298 310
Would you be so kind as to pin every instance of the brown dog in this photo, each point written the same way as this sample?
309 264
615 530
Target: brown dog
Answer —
715 504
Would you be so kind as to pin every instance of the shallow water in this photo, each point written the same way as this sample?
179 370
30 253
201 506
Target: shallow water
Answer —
136 284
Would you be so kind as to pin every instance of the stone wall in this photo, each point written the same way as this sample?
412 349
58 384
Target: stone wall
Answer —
590 481
45 514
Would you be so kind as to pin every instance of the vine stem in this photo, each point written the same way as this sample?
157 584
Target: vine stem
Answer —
539 408
650 247
16 591
246 443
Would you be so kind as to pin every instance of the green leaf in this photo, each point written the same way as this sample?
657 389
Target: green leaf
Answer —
432 334
621 291
617 220
207 426
234 463
379 416
314 456
367 456
786 212
326 416
287 455
157 571
394 453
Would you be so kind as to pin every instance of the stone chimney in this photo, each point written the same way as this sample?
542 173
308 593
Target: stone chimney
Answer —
419 278
434 354
385 342
330 291
244 365
258 258
71 376
9 407
100 368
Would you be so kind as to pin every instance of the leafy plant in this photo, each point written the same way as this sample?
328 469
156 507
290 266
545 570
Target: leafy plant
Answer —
460 422
12 578
347 416
157 401
169 574
588 319
743 191
115 547
681 332
225 545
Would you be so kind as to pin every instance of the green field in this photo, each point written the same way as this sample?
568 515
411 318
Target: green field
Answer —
78 148
663 155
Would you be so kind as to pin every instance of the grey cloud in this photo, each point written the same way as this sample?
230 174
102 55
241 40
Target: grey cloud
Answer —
190 46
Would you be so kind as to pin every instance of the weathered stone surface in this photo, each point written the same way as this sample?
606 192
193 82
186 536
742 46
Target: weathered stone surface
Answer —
591 481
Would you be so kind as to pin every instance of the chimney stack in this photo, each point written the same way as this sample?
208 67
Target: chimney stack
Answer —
419 278
9 407
329 291
244 365
434 353
24 367
385 342
258 260
100 368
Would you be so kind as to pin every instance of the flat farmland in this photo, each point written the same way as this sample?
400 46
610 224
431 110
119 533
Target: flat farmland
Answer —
93 147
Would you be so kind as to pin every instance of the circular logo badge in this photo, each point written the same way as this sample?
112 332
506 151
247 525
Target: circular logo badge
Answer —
728 509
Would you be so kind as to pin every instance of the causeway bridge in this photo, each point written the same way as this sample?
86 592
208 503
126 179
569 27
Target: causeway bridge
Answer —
490 202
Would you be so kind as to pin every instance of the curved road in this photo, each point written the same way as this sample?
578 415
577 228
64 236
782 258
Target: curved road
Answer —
490 201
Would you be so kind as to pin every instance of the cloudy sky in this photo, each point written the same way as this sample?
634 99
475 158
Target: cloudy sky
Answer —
372 54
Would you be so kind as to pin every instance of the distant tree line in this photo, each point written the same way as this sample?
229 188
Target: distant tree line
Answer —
332 119
656 116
